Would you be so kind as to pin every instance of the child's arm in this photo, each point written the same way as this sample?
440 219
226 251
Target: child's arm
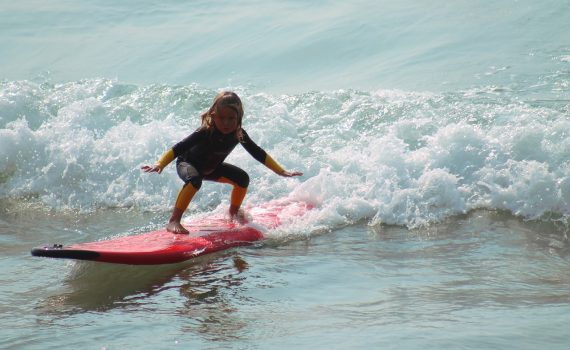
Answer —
176 150
263 157
273 165
166 158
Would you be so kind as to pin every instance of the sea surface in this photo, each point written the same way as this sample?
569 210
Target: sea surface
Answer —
434 137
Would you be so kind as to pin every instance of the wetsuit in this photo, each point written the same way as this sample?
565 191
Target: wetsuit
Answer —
201 156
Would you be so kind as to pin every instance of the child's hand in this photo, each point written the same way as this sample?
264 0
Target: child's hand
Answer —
151 169
291 174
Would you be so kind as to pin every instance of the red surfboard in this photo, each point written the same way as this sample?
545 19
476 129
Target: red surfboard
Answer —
162 247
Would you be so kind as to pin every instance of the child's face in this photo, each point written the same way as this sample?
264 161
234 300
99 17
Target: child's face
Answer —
226 120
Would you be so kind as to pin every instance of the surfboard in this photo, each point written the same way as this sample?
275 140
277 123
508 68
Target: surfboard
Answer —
207 235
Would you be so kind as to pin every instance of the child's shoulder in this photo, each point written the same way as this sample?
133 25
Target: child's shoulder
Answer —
201 131
196 135
243 137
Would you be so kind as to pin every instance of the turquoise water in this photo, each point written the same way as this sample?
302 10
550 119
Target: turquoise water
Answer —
435 144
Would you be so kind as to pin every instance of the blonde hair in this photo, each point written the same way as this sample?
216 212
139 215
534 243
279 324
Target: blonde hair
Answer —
224 99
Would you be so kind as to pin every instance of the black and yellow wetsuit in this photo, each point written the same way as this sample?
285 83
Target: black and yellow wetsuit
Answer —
201 155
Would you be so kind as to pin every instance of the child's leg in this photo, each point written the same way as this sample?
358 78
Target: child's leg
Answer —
193 181
230 174
238 194
184 197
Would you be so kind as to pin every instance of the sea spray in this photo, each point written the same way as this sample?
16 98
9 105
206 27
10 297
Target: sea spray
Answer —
385 156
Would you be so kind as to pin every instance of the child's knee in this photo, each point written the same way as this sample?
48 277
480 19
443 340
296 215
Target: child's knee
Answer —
196 182
243 181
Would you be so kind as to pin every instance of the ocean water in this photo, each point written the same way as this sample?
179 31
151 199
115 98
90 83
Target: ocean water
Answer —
434 138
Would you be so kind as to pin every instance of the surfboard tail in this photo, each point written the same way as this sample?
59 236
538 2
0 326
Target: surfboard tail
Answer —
59 251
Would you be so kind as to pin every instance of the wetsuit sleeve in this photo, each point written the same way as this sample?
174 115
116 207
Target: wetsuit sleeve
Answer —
179 148
166 158
273 165
193 139
259 154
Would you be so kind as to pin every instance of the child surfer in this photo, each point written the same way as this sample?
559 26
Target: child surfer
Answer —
201 155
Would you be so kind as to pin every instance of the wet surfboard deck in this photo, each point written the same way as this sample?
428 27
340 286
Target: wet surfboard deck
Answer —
207 235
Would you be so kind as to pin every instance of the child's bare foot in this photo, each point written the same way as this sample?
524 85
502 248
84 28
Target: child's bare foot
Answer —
239 216
176 227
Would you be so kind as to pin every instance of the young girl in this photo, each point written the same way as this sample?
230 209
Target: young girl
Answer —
201 155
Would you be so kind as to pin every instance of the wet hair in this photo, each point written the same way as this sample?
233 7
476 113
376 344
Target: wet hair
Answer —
224 99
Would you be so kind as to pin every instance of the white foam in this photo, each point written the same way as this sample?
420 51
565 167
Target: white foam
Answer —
387 157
